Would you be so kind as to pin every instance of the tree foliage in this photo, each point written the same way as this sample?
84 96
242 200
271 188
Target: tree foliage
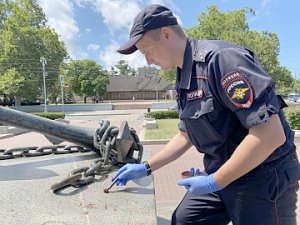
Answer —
122 68
87 78
169 75
25 38
54 95
12 83
233 27
296 85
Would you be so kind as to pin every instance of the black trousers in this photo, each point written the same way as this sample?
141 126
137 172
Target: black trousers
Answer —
266 195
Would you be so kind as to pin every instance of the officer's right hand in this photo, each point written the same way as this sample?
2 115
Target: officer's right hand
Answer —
130 172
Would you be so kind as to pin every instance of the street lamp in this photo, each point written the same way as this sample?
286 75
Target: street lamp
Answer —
43 61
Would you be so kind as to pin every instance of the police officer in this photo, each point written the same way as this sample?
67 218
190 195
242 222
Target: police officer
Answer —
228 110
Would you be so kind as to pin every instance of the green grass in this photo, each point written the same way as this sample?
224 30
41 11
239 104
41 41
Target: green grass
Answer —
167 128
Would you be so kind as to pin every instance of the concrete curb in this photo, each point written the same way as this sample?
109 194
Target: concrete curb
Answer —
17 131
165 141
155 142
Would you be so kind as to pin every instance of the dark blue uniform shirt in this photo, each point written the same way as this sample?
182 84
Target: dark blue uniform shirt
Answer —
222 91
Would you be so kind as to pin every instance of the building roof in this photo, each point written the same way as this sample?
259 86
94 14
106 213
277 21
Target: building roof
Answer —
144 81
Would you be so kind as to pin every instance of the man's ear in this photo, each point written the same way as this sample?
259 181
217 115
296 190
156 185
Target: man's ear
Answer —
165 31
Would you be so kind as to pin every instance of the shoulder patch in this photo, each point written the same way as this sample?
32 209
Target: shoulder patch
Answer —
238 89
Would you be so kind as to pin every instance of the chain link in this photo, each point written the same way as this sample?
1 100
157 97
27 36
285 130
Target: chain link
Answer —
39 151
104 141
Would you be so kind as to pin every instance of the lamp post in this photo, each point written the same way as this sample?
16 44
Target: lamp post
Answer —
62 83
43 61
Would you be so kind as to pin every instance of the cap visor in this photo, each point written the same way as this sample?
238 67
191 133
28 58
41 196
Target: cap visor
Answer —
129 46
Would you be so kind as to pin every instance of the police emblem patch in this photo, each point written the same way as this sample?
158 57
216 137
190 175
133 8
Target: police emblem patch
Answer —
238 89
194 95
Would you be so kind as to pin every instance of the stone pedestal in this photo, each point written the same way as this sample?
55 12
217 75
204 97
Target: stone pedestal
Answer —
28 199
151 124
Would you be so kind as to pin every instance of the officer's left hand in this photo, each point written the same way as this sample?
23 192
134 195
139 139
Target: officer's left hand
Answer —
200 185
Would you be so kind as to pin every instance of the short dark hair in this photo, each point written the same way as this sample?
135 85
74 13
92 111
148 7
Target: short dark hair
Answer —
177 29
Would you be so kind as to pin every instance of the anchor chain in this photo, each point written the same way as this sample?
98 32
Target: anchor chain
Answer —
33 151
105 144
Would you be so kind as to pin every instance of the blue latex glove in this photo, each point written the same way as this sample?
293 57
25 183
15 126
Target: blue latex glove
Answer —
130 172
196 172
200 185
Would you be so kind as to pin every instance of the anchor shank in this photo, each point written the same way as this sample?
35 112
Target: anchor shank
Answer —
74 134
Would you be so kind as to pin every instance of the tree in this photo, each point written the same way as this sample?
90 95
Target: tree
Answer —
169 75
112 71
296 86
87 78
12 83
233 27
54 94
123 69
2 14
25 38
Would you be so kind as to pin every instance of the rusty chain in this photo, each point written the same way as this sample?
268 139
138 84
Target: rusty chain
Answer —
105 144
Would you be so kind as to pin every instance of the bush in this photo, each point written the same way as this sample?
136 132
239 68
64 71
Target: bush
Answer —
50 115
170 114
292 114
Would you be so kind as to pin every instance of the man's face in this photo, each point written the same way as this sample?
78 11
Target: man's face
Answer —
156 51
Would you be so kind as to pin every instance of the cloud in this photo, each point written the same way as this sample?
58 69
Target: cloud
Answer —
83 55
81 3
117 14
109 56
93 47
125 15
266 7
265 3
125 10
60 16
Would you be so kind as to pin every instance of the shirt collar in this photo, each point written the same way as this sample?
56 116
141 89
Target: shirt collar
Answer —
186 72
195 51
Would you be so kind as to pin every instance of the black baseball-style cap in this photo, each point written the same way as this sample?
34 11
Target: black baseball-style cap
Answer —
152 17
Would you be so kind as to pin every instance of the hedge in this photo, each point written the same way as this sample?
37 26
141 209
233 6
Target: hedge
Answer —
50 115
170 114
292 115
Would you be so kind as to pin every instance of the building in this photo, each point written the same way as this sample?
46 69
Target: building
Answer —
147 85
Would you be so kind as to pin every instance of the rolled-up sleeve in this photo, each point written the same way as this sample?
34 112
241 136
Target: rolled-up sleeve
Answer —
181 126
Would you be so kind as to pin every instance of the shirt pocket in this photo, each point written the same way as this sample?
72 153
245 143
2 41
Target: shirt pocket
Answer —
197 108
197 116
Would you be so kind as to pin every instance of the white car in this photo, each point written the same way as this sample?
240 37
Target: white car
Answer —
293 97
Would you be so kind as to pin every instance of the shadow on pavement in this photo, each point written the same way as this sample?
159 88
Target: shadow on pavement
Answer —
33 171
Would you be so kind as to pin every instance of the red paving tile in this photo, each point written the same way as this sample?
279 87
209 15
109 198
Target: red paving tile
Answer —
166 189
165 178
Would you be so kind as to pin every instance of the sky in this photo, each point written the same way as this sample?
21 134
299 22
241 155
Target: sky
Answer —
94 29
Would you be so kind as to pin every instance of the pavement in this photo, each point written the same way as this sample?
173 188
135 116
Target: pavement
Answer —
167 193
